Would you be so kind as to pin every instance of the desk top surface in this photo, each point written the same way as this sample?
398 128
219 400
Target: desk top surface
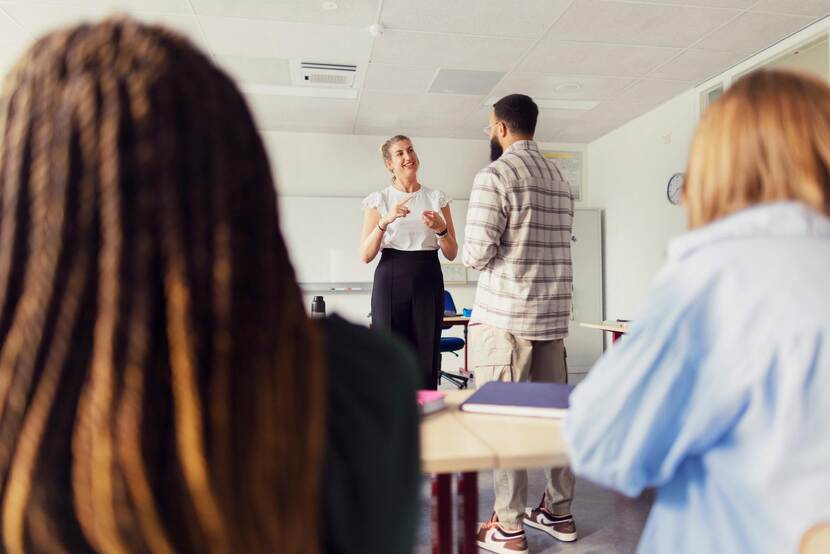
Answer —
455 441
613 326
458 319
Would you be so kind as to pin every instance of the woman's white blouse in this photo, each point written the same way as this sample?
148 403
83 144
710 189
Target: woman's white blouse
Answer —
408 233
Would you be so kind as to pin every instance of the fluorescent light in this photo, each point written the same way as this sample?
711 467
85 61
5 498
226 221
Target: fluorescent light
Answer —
311 92
551 104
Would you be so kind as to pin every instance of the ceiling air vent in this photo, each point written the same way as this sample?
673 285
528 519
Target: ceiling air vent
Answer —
325 74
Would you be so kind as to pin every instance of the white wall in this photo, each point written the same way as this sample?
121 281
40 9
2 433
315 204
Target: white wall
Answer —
813 59
629 169
314 164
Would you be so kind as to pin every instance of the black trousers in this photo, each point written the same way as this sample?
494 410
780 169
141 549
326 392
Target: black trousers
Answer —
408 300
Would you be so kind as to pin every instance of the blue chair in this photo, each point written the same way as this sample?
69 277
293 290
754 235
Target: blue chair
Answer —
452 345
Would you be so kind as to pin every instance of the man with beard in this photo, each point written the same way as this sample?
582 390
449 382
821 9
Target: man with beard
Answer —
518 235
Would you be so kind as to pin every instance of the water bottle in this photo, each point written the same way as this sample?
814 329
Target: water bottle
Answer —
318 308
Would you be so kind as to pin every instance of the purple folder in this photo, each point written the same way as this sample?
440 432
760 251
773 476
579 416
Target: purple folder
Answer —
521 399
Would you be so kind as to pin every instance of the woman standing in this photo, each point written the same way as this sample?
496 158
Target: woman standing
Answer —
409 222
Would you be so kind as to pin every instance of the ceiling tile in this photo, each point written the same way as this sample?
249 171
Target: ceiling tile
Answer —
814 8
463 133
474 17
752 32
562 87
359 13
584 131
113 6
430 50
561 115
737 4
39 19
550 122
327 127
698 65
615 112
291 41
473 125
653 91
397 78
582 58
280 113
9 52
549 126
415 131
261 71
638 24
465 81
403 111
11 30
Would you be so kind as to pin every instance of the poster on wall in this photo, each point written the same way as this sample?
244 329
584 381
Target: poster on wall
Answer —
570 164
454 274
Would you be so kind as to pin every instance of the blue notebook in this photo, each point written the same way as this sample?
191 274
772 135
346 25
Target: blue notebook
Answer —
521 399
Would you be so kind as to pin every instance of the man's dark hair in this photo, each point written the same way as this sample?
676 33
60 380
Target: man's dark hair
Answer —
519 112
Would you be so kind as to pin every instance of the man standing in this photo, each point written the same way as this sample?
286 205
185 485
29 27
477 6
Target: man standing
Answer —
518 235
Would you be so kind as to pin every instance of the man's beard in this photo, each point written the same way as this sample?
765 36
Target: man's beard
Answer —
495 149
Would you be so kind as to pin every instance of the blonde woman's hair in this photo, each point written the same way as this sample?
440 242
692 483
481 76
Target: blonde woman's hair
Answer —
767 139
161 388
384 148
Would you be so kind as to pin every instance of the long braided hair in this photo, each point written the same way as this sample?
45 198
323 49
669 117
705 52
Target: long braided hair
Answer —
160 384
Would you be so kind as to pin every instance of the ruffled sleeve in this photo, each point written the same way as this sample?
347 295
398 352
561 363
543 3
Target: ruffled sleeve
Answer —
442 199
374 200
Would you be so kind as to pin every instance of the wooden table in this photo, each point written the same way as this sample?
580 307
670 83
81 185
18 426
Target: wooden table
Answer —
616 328
453 441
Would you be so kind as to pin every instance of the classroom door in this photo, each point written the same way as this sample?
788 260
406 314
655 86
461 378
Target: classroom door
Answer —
585 345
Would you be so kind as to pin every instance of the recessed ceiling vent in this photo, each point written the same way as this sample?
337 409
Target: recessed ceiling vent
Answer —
324 74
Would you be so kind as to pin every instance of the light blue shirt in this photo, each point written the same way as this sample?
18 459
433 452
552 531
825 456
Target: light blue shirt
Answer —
720 395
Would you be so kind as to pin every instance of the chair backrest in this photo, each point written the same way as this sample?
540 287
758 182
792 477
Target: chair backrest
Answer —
449 304
816 540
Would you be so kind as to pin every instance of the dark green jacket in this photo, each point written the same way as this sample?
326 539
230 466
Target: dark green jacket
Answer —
370 487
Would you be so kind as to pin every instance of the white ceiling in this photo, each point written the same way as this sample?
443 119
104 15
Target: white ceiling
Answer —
628 55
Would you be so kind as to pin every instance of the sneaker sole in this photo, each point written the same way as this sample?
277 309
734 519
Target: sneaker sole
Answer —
564 537
490 547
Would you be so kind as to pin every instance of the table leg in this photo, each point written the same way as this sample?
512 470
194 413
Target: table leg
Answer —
441 514
466 349
468 513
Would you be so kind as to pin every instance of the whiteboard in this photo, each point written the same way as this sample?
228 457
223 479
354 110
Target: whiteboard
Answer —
323 238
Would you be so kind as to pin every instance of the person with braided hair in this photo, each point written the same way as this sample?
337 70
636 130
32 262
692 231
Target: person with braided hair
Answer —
161 387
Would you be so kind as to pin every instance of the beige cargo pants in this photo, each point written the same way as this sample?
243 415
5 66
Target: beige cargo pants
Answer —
497 355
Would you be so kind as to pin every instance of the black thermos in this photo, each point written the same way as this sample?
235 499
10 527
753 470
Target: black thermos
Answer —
318 308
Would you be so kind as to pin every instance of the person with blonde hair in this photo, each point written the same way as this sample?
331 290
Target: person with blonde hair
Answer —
408 223
161 386
720 394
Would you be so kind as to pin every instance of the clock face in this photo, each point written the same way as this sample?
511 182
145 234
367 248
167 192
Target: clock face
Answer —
674 190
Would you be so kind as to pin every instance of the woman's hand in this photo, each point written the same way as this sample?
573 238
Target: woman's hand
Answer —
434 221
397 211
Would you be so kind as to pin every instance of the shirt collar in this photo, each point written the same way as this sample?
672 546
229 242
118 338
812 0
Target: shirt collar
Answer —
523 145
773 220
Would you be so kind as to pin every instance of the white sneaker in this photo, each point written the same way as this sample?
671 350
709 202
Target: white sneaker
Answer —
560 528
493 537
